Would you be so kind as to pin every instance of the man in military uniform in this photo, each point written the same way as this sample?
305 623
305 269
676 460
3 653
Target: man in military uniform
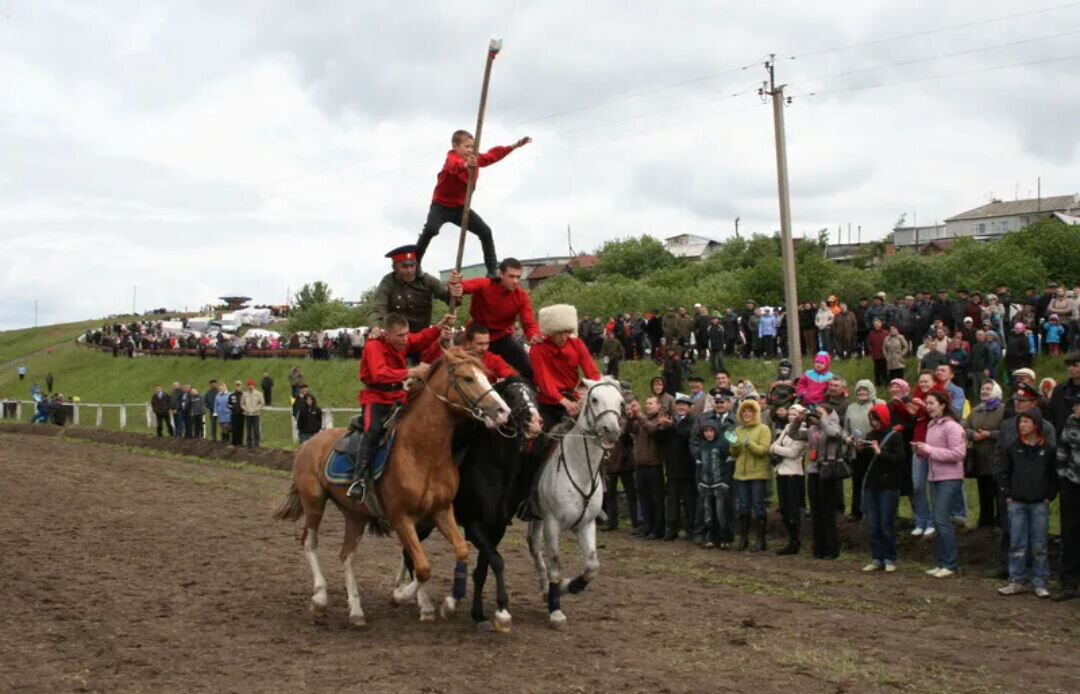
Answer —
406 291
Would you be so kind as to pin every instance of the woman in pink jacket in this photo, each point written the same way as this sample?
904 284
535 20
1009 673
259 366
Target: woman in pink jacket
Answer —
944 448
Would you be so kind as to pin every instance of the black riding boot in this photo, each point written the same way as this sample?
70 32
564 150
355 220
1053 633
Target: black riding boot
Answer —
759 546
792 546
358 489
744 532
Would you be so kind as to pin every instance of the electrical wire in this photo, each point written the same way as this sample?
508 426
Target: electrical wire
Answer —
948 74
942 55
928 32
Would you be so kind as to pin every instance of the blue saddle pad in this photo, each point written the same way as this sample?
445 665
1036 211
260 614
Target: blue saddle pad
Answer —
339 467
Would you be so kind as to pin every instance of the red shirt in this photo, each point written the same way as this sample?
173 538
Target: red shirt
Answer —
555 369
875 343
496 308
454 178
382 365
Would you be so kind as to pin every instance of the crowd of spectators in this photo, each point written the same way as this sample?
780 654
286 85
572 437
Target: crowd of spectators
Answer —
152 337
706 463
235 416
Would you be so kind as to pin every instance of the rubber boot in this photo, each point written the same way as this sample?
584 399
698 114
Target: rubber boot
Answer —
759 546
744 532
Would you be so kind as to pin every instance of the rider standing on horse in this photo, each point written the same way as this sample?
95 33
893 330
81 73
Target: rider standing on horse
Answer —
406 291
496 303
556 363
383 372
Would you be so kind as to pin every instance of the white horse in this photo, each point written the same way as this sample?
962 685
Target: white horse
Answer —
571 491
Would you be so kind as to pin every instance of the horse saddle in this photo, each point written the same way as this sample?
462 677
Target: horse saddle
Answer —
343 459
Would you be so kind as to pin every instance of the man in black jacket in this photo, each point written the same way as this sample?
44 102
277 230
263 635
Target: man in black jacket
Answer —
175 402
679 463
1025 399
208 403
267 386
237 414
159 404
1066 393
943 309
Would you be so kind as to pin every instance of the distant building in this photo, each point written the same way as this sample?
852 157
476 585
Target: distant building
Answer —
534 270
997 218
691 246
988 222
847 252
235 303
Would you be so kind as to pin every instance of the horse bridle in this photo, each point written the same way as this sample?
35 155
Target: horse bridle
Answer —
512 428
590 431
471 406
591 419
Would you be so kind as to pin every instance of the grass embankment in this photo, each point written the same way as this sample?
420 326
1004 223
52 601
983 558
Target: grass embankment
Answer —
98 377
15 344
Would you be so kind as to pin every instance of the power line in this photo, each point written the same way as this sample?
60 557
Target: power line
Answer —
927 32
944 55
633 95
948 74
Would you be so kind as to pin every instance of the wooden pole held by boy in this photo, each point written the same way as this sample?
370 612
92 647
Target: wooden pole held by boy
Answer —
493 49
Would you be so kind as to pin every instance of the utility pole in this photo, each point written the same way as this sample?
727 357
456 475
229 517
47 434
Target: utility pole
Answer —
787 247
134 290
736 227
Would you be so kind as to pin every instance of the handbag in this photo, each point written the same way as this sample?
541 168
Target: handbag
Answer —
830 470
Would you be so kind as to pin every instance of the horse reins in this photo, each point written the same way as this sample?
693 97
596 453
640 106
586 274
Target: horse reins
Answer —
594 476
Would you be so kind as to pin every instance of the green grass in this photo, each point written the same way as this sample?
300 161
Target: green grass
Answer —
98 377
21 343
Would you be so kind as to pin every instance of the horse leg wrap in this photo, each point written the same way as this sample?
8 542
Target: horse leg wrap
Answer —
577 585
461 571
553 596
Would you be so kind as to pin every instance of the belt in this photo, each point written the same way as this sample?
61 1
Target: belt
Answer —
386 387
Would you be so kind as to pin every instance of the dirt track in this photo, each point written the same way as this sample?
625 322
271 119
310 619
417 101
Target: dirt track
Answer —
129 572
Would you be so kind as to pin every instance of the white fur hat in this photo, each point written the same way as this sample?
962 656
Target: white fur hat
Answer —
558 318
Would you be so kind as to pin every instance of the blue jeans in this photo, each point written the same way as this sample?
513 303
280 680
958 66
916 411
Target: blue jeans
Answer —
944 493
751 497
1029 527
959 505
881 516
920 470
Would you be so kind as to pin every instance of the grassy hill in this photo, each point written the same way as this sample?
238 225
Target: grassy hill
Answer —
98 377
15 344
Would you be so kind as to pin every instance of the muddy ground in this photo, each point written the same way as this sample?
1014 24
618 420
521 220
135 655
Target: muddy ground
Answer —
128 571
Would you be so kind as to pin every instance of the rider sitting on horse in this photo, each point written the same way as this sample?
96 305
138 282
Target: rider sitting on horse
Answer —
477 342
383 372
556 362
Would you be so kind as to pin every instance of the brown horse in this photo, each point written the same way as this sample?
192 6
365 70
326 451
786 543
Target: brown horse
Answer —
420 480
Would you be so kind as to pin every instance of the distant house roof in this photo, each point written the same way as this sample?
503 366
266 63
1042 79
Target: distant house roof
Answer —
935 246
1008 208
686 239
695 250
545 271
1068 219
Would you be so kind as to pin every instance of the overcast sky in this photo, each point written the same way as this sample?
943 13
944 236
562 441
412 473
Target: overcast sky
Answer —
191 150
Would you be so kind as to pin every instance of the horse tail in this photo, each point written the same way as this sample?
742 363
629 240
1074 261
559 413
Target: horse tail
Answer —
291 508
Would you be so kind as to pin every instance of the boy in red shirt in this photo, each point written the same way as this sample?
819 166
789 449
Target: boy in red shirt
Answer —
449 197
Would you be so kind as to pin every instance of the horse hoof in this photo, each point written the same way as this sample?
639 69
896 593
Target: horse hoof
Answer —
427 616
557 620
502 620
448 608
399 598
485 626
357 621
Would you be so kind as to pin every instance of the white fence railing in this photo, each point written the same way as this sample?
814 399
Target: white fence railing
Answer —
97 410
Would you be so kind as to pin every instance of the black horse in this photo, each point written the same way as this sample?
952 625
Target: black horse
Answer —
488 495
